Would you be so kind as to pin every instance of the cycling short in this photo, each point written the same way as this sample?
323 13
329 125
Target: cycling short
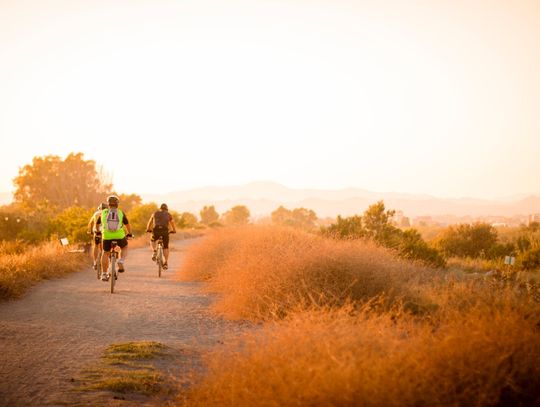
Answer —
97 238
120 242
164 233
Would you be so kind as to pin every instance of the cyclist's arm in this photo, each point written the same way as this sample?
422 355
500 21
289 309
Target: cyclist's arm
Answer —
125 221
150 224
173 226
91 225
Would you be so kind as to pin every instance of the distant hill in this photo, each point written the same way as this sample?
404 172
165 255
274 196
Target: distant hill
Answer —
263 197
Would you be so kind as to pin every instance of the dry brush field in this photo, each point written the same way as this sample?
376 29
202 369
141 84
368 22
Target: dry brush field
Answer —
22 266
348 323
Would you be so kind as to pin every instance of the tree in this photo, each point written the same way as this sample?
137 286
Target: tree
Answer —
52 182
237 216
467 240
280 215
411 246
209 215
12 223
185 220
346 228
129 201
72 223
138 217
377 223
299 217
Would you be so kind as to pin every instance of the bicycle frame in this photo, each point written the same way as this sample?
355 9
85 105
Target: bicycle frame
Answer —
98 263
113 257
159 255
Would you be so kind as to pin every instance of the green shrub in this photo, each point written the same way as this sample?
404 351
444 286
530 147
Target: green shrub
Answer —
375 224
478 240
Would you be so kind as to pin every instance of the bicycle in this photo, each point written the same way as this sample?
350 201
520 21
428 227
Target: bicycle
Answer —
98 264
159 254
99 255
113 275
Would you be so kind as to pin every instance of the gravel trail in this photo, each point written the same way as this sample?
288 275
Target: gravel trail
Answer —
62 326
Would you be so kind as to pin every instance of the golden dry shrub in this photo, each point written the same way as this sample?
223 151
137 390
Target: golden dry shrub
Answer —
483 354
263 273
20 270
204 258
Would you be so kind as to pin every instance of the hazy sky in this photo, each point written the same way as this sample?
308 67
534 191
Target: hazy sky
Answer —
437 97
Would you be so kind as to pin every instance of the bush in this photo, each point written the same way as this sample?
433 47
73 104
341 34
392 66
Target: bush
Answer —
479 347
478 240
530 259
267 272
411 246
20 270
139 216
72 223
376 225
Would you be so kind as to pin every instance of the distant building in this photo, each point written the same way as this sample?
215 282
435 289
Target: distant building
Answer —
423 221
533 218
400 220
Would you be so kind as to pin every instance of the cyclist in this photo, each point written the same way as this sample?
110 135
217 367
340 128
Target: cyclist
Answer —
115 224
95 230
158 225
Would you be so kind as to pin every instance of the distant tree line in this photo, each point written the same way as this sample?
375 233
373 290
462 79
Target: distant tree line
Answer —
56 197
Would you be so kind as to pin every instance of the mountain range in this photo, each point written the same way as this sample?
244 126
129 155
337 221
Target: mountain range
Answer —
263 197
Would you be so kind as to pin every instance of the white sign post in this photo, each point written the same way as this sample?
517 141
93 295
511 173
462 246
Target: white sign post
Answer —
509 260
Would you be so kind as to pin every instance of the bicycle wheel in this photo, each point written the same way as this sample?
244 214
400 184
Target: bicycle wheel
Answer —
98 264
112 277
160 259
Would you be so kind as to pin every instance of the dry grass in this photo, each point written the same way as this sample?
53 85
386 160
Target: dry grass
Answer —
480 351
475 265
23 266
264 273
327 342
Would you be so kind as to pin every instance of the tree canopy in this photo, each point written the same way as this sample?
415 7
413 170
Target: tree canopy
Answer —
50 182
299 217
209 215
237 216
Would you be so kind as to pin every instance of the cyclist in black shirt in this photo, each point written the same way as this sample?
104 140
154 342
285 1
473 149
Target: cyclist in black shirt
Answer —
159 224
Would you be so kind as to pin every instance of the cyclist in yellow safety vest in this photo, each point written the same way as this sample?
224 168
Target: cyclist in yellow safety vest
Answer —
114 226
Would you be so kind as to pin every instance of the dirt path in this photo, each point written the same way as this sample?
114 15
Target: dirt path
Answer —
62 326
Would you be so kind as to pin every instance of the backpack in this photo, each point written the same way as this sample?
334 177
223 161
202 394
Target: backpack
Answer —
113 220
161 219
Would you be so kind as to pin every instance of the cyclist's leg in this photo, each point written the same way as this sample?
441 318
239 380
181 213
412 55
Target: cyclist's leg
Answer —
105 257
153 244
96 250
166 246
123 244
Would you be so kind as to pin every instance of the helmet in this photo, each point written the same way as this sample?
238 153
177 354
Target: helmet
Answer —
164 207
102 206
113 200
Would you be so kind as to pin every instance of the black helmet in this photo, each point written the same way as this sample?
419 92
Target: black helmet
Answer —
102 206
164 207
113 200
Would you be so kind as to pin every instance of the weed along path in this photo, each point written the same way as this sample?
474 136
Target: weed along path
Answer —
53 339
